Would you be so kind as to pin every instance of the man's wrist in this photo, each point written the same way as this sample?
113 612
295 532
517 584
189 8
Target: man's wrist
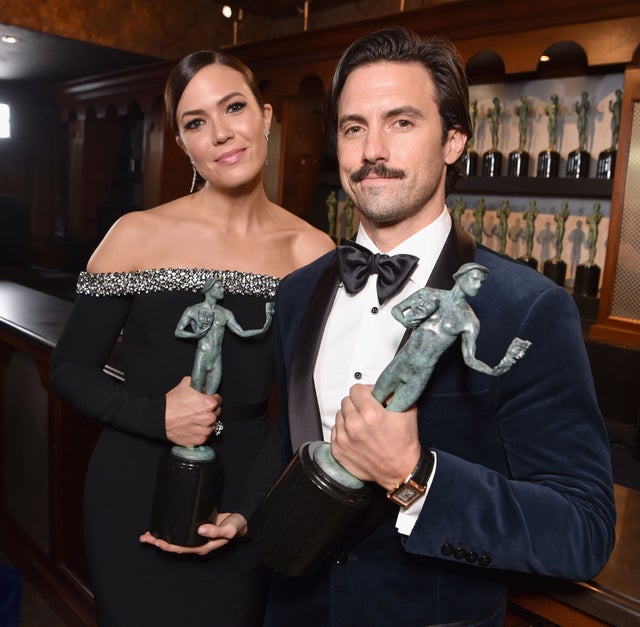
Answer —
415 485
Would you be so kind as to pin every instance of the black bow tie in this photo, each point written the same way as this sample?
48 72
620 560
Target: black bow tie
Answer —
356 264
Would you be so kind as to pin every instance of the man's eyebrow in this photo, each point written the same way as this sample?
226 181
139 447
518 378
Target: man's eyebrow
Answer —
352 117
405 110
392 113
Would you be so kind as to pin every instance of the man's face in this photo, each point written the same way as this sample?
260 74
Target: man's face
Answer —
392 160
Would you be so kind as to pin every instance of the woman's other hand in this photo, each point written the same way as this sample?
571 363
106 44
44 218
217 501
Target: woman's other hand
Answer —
226 528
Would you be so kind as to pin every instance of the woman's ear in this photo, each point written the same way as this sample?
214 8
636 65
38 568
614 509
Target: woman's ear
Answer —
267 115
181 144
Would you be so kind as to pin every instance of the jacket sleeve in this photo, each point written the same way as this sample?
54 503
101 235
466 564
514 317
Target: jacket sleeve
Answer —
550 508
78 375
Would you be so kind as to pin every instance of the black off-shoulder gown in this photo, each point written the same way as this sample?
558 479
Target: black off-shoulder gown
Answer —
137 585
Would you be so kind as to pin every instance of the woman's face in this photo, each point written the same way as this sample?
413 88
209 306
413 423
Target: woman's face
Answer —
222 127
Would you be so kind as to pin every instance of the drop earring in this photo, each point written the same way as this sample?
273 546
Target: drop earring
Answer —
195 178
266 137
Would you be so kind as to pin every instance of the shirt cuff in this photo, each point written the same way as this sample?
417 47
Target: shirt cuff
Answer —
407 516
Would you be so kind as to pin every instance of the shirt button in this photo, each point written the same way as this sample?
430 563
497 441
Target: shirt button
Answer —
358 375
374 310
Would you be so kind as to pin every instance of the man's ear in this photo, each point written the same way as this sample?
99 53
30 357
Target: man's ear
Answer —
454 146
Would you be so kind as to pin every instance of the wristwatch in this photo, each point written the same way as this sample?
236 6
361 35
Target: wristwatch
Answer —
415 484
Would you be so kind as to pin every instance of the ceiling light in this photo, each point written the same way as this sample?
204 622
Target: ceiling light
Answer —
9 39
226 11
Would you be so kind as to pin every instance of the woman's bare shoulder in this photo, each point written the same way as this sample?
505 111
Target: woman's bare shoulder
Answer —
123 247
311 244
307 242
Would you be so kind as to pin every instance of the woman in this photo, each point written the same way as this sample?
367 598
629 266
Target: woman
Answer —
149 268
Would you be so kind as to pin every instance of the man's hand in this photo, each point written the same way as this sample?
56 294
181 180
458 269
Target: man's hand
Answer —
227 527
372 443
190 416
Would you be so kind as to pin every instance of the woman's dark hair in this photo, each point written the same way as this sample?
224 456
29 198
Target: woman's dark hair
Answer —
186 69
399 45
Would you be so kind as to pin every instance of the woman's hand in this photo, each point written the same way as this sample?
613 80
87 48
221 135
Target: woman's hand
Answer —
227 527
190 416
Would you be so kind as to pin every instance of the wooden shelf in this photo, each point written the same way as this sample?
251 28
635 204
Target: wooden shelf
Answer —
530 186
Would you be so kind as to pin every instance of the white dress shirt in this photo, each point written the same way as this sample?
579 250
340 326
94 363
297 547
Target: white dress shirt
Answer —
361 336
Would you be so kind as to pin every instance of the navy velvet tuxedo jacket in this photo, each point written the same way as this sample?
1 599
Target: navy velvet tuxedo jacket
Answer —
523 480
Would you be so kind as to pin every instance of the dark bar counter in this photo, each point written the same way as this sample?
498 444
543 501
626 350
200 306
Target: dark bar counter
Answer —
45 447
34 316
44 451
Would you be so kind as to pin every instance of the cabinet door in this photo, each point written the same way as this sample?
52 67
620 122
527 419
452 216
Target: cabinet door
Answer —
301 152
619 318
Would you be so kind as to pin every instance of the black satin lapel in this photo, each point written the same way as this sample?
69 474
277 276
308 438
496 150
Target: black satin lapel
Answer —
459 248
304 415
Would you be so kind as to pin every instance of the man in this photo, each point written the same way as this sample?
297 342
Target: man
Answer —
521 478
515 469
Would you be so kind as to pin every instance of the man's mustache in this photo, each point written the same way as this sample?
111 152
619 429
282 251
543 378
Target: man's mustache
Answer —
378 169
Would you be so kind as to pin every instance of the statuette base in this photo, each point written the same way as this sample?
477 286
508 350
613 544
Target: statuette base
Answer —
305 515
186 496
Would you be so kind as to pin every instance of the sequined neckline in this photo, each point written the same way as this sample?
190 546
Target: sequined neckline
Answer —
174 279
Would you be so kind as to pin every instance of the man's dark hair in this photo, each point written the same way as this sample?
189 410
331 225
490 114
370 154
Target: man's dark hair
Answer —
399 45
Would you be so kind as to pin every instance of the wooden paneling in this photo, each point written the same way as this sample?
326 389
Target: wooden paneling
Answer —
300 153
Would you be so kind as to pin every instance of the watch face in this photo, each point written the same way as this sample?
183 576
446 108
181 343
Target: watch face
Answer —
405 493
